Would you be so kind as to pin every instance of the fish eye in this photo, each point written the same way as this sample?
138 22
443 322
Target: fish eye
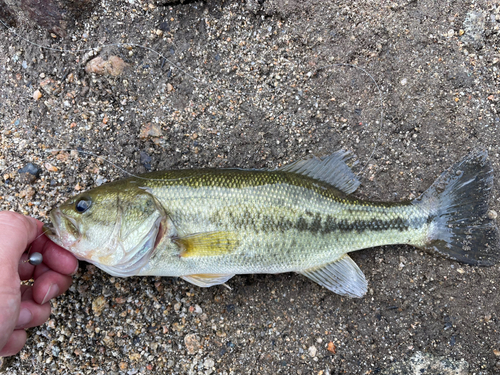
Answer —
82 205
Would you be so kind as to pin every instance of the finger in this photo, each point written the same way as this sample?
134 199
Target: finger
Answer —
40 270
25 269
31 313
55 257
14 343
49 285
17 232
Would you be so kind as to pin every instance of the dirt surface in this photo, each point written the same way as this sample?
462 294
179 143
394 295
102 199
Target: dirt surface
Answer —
251 84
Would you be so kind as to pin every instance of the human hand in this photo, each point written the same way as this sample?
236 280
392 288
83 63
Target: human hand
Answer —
23 306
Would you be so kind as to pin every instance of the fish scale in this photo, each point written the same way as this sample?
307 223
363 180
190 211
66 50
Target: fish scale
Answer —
292 221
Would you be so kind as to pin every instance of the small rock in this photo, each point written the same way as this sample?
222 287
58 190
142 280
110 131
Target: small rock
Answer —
492 215
331 347
170 87
50 167
192 343
426 364
134 357
49 86
37 94
177 306
209 363
99 304
197 309
474 27
120 300
145 160
112 66
496 352
312 351
29 173
150 130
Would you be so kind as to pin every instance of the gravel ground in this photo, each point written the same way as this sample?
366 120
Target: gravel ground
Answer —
257 84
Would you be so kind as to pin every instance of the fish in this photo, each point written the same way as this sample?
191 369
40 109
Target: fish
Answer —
207 225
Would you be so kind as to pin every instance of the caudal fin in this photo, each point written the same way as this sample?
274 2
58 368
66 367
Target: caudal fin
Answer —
461 226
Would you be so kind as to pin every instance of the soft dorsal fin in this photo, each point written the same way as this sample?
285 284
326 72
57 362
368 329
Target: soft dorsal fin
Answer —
207 279
331 169
342 277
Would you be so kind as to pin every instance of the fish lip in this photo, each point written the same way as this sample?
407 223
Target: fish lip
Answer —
51 229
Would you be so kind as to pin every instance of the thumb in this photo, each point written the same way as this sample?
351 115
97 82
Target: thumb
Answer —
16 233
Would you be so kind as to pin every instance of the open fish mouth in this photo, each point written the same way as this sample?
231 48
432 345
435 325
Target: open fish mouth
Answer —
49 230
53 229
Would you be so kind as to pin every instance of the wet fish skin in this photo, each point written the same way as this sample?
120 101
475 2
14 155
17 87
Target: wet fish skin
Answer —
208 225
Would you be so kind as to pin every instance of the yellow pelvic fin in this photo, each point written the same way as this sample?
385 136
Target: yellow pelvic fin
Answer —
207 244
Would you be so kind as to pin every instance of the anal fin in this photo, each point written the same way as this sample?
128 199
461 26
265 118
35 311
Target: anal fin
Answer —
342 277
205 280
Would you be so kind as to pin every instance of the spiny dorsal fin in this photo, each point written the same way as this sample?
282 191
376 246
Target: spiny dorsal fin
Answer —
207 279
207 244
342 277
331 169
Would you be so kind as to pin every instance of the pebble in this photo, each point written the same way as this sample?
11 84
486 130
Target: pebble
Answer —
427 364
37 95
197 309
312 351
50 167
145 160
49 86
474 27
29 173
331 347
492 215
192 343
112 66
150 130
209 363
99 304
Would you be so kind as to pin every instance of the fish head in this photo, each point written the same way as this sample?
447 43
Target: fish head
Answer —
114 227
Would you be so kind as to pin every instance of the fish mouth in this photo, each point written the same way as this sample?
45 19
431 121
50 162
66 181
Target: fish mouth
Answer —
53 232
50 229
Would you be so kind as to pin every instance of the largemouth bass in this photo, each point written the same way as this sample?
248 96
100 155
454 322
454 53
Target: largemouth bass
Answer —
207 225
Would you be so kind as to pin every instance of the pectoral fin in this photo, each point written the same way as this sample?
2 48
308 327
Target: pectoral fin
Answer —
207 244
342 277
207 279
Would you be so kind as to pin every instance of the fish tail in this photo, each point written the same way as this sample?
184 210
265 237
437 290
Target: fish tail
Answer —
461 226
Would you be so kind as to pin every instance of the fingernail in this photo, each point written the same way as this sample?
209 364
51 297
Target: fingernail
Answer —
52 292
76 268
24 318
